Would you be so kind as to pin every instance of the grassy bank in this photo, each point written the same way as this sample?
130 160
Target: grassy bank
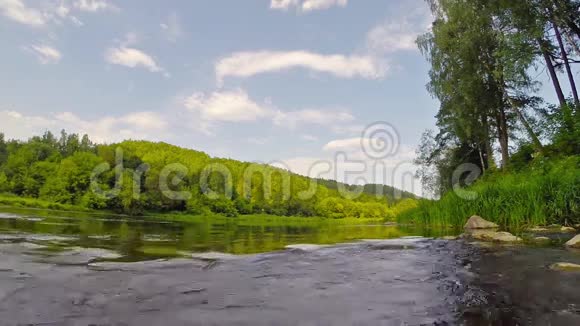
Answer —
16 201
544 193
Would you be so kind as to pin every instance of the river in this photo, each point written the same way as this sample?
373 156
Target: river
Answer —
79 269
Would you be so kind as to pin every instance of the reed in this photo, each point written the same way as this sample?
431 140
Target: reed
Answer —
545 193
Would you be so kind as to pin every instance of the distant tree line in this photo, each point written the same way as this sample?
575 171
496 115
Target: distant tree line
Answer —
59 169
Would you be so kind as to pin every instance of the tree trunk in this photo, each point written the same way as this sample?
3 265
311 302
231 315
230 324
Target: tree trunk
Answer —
487 151
567 65
552 71
574 28
537 144
502 136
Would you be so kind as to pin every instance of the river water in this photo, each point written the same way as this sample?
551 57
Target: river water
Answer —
65 269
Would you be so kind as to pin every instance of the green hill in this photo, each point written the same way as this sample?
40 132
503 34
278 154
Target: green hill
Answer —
134 177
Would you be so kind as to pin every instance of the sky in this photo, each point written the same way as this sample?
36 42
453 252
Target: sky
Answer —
294 83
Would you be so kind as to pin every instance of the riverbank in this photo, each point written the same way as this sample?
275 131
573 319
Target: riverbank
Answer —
544 193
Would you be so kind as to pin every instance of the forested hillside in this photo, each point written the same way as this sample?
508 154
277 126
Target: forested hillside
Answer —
58 169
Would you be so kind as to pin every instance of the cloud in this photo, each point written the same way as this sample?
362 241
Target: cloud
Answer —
247 64
226 106
136 125
94 5
310 138
44 53
19 12
392 37
237 106
172 28
328 117
364 148
348 145
399 33
132 58
306 5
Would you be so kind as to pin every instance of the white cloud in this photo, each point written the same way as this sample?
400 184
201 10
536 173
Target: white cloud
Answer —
172 28
312 116
237 106
348 145
226 106
306 5
309 137
136 125
94 5
247 64
132 58
399 33
44 53
62 10
19 12
258 140
392 37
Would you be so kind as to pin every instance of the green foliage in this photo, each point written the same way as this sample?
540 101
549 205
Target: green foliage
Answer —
60 170
544 193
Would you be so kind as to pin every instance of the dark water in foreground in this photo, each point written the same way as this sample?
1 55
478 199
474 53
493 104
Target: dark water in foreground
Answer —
99 271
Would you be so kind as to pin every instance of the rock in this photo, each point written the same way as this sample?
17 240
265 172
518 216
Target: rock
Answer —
214 256
495 236
449 237
146 265
574 242
565 267
567 229
476 222
538 229
542 239
305 247
79 256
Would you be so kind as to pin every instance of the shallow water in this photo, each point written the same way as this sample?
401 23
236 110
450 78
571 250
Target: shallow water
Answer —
138 239
106 270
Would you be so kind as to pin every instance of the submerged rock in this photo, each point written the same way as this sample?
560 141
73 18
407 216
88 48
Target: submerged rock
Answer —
477 222
542 239
213 256
79 256
495 236
145 265
565 267
305 247
538 229
574 242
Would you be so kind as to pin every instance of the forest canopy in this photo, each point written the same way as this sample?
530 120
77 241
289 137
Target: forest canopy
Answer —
59 169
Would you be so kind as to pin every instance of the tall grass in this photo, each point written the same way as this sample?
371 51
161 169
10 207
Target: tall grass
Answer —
544 193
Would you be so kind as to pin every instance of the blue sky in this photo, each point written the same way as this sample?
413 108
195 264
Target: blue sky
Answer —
258 80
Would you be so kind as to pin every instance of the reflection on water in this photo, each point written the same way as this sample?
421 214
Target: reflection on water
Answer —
147 238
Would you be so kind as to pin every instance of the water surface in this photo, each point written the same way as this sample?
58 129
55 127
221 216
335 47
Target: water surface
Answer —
143 238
